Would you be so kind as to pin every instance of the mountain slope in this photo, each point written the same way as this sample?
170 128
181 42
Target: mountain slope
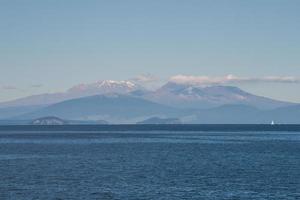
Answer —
114 108
284 115
243 114
127 109
193 96
229 114
16 111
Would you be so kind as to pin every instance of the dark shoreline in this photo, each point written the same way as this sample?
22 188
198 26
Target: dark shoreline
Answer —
155 127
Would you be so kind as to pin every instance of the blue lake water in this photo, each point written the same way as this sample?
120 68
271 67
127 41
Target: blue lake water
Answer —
58 164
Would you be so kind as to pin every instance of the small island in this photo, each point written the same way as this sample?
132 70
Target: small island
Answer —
157 120
49 121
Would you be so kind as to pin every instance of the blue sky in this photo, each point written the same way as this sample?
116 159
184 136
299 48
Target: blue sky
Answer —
51 45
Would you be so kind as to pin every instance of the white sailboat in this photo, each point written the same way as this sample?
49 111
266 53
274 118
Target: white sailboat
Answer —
272 123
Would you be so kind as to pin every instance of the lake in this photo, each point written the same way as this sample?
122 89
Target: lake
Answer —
94 162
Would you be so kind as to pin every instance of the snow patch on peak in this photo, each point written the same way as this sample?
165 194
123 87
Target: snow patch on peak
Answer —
105 86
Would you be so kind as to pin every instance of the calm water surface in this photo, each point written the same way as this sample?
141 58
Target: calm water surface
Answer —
149 165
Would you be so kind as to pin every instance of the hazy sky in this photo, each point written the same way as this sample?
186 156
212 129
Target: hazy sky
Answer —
51 45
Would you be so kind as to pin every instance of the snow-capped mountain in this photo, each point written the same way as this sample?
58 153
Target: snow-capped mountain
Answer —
186 95
81 90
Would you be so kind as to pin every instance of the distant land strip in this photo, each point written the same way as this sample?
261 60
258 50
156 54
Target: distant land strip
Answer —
156 127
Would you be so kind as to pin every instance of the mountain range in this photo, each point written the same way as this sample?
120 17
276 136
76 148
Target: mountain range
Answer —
128 102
